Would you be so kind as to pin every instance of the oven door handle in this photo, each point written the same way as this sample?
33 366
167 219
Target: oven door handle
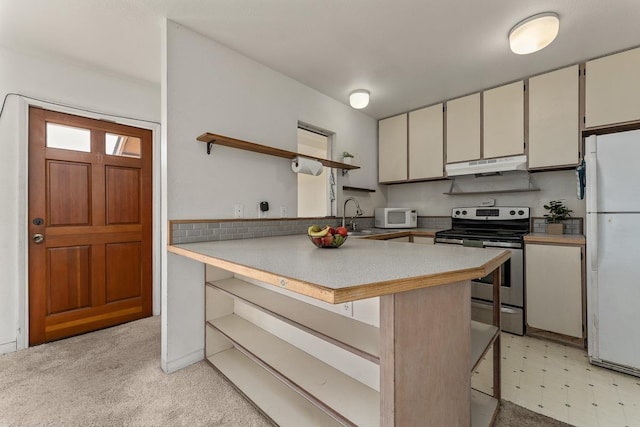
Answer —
448 240
503 308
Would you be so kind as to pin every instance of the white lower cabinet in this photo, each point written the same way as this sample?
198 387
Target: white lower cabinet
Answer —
399 239
423 240
304 365
554 288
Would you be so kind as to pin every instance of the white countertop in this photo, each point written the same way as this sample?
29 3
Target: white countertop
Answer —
358 263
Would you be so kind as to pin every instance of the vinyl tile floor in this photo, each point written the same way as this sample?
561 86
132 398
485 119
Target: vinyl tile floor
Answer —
558 381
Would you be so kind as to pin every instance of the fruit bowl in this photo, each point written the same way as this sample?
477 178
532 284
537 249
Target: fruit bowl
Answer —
327 237
332 242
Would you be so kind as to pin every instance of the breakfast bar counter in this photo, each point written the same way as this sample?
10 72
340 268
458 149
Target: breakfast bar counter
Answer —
361 268
304 364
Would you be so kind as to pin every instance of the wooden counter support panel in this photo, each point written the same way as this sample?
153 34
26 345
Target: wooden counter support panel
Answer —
426 348
497 283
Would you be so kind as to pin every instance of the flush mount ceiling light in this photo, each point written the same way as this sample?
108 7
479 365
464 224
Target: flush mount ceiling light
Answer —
534 33
359 98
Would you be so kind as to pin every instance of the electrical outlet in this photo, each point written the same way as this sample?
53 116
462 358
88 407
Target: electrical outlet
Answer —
238 211
283 211
347 308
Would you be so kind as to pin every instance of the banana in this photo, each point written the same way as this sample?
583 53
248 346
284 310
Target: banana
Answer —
323 232
313 229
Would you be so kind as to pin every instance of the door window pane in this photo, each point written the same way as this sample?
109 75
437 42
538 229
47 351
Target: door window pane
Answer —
120 145
68 137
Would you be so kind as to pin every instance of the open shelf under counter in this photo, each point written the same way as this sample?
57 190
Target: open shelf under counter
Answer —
278 401
483 409
336 393
347 333
482 337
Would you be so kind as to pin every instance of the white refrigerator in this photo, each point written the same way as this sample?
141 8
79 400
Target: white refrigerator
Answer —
613 250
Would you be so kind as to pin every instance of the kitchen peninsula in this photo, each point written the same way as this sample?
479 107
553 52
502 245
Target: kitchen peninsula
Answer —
305 365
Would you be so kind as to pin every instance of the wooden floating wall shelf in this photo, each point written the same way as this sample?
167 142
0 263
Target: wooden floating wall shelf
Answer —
211 138
368 190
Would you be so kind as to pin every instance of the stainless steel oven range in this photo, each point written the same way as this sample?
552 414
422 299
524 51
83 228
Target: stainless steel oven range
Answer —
494 227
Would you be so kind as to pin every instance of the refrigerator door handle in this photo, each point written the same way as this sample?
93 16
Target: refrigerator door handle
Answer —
592 239
591 174
592 200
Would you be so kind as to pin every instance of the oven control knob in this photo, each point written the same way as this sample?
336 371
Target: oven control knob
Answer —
457 212
521 212
512 212
464 212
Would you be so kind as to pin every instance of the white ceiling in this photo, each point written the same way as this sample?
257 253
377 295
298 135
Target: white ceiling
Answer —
408 53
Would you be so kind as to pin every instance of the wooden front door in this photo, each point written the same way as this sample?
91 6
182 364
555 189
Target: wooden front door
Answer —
90 213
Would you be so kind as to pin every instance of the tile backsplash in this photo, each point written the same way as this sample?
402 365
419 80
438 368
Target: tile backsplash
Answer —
186 231
191 231
571 226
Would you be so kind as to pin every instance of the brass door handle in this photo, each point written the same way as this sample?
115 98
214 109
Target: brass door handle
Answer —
38 238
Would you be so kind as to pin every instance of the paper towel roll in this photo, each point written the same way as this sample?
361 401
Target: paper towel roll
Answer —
306 166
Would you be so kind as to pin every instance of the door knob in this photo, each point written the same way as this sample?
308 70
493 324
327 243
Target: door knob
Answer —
38 238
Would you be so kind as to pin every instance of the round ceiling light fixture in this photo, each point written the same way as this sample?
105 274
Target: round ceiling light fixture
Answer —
359 98
534 33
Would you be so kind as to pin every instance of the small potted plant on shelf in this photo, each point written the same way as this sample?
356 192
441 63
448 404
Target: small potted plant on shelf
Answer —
558 212
347 157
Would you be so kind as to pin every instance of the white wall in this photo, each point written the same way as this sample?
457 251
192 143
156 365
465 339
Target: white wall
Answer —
214 89
62 82
210 88
427 197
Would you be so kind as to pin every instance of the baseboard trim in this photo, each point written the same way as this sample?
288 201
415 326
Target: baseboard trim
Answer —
183 362
8 347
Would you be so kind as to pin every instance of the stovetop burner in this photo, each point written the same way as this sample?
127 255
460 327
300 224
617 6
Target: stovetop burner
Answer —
508 224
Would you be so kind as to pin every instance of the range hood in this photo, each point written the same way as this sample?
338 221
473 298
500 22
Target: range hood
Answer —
487 166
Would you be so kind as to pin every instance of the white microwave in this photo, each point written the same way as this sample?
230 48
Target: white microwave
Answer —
396 218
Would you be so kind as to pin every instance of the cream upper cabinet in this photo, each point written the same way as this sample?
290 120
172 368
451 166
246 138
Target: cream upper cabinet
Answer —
503 121
463 128
392 149
554 288
613 89
426 145
554 122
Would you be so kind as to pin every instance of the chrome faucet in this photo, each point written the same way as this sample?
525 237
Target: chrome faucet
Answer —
358 212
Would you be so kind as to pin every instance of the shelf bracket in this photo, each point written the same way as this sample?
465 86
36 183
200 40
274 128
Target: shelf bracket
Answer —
209 145
345 171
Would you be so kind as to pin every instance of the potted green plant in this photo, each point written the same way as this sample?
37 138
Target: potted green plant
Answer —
558 212
347 157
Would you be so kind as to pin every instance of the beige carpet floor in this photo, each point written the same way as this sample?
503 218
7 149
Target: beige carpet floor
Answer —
113 378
